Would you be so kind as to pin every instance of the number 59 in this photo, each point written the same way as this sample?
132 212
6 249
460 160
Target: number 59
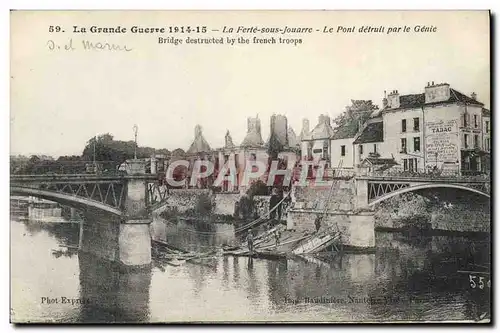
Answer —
54 28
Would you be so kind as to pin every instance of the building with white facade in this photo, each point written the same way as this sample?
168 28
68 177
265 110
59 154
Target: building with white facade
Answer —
341 142
440 128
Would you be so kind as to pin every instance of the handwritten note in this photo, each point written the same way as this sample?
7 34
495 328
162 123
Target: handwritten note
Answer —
86 45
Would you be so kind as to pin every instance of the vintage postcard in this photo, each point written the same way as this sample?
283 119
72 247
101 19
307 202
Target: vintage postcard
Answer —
250 166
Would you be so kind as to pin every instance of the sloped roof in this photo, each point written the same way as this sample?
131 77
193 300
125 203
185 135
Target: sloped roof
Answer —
304 135
457 96
349 129
252 139
322 131
418 100
379 161
346 131
411 101
199 144
373 132
486 112
254 136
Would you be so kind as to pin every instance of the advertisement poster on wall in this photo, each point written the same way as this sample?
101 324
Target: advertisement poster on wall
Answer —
442 144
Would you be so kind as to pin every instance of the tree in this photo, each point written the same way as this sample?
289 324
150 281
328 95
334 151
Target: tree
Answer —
108 149
358 110
72 158
354 115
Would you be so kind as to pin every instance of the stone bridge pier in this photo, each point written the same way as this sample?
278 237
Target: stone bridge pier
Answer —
352 207
341 211
125 239
361 194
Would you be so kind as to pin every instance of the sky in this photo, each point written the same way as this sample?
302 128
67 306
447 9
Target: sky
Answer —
60 99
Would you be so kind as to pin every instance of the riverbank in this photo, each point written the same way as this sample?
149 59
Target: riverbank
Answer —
474 235
456 215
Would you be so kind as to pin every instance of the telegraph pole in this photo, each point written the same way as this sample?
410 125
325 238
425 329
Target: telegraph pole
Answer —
93 156
135 128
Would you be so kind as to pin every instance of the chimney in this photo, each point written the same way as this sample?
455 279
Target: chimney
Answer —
279 126
437 93
474 96
326 119
393 99
384 100
304 133
305 125
321 119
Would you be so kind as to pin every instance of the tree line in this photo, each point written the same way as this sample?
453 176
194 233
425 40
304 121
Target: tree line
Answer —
103 149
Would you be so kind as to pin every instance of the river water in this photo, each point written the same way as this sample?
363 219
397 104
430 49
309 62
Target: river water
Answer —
408 278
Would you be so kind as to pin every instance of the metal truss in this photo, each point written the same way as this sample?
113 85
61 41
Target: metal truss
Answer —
379 189
483 187
376 190
112 193
156 193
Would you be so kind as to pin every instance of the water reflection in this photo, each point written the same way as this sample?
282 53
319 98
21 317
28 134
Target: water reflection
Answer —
405 279
110 293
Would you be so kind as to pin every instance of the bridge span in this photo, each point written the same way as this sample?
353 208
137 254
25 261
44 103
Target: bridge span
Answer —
125 200
373 189
121 205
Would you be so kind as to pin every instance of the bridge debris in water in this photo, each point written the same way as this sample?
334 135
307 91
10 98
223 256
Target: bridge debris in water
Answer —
176 257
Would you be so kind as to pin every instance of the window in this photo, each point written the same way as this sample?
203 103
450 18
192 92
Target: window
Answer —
325 150
342 150
466 163
403 145
487 144
487 127
375 148
416 144
403 125
466 141
410 164
360 149
476 141
309 150
416 124
464 120
476 124
253 157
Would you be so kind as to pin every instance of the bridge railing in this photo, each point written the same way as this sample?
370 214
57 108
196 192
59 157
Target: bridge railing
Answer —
66 167
397 172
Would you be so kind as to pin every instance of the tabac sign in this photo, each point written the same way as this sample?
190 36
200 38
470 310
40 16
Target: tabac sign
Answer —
441 141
